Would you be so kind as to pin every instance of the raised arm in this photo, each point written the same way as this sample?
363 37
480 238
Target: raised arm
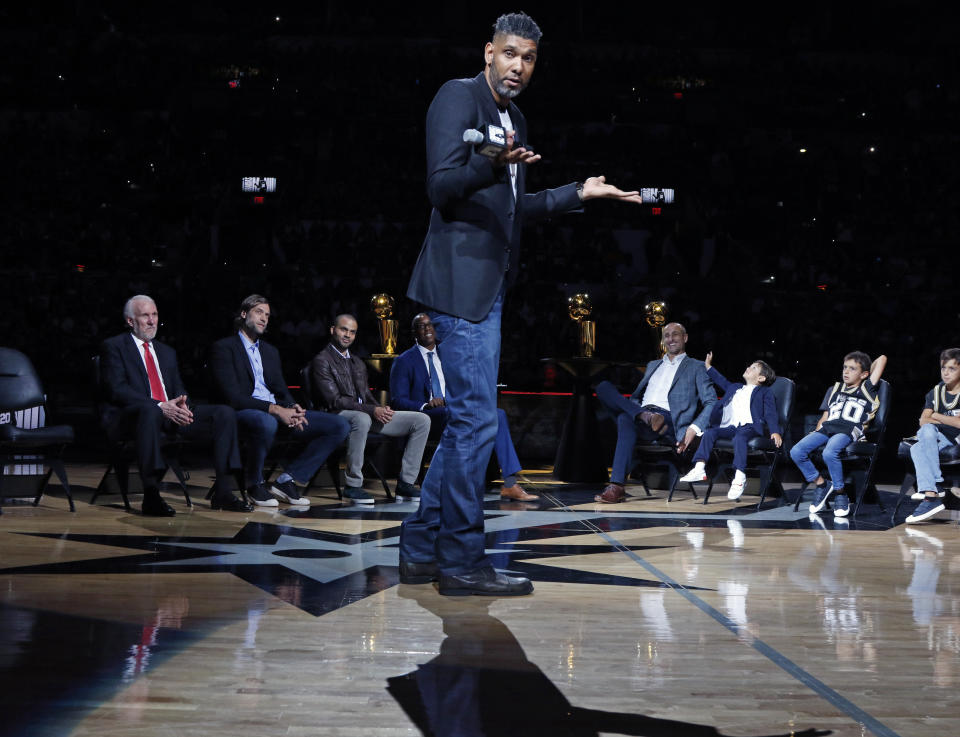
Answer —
876 369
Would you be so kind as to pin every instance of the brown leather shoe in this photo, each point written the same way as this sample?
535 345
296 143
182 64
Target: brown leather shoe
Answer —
654 420
612 494
517 493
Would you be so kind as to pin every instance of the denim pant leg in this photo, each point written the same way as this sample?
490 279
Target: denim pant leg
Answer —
448 525
257 432
926 456
506 453
831 457
323 433
800 453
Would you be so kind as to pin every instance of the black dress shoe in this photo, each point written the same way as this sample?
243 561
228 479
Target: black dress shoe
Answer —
485 582
230 504
418 572
156 507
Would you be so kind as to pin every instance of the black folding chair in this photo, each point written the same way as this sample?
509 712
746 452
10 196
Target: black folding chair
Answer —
20 389
763 455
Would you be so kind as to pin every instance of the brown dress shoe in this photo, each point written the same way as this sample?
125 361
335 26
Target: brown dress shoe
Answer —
612 494
654 420
517 493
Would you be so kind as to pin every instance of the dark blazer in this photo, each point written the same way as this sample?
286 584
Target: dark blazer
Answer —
691 390
474 235
233 375
410 384
123 377
333 380
763 405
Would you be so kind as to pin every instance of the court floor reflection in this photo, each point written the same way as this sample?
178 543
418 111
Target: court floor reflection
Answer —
481 684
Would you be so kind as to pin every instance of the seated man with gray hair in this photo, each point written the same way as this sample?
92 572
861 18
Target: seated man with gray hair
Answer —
144 400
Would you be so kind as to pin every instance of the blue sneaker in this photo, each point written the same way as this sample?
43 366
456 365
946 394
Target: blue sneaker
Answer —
926 509
357 496
841 505
820 499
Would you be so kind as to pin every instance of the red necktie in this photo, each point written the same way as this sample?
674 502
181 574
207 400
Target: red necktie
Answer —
156 386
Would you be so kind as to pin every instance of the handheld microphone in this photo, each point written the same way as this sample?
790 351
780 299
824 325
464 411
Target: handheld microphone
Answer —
491 140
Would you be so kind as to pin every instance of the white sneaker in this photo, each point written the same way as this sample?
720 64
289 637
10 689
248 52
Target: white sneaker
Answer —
736 489
694 474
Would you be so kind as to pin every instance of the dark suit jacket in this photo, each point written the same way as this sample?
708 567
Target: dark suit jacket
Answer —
763 405
333 380
233 375
691 390
410 384
474 235
123 377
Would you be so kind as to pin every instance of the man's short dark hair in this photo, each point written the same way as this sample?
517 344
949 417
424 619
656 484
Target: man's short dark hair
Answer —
517 24
342 314
416 318
860 357
767 372
950 354
248 304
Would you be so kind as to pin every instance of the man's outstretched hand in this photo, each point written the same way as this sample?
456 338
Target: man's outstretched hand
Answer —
596 187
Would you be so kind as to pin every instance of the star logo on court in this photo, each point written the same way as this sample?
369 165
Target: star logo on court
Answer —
320 571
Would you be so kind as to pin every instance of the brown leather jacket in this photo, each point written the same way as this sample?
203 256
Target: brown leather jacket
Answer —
333 379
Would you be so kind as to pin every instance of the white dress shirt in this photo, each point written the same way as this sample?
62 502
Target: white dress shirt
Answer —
658 388
737 413
437 366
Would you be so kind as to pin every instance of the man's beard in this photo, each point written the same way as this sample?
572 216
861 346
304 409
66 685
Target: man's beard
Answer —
506 92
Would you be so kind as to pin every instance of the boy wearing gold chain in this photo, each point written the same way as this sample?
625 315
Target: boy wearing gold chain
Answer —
939 429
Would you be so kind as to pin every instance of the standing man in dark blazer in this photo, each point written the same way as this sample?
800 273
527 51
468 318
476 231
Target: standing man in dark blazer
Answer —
145 400
674 400
470 252
417 383
248 376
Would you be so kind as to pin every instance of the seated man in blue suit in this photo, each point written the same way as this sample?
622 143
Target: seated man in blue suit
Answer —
675 398
741 415
417 384
248 376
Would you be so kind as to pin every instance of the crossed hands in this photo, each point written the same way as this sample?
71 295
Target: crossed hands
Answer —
177 411
294 417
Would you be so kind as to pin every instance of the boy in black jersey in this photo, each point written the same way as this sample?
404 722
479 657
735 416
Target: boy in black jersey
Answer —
848 407
939 428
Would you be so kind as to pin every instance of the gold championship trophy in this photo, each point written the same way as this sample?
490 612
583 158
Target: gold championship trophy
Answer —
655 314
382 306
579 306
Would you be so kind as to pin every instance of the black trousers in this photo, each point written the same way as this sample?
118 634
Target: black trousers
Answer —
215 423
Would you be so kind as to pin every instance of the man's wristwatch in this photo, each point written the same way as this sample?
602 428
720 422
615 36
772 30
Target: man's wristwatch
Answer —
580 190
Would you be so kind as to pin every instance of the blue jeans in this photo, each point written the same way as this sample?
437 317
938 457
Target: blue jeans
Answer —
323 433
503 445
800 453
624 412
926 456
448 525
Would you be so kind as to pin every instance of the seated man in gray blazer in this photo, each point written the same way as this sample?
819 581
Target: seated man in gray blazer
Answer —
674 399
